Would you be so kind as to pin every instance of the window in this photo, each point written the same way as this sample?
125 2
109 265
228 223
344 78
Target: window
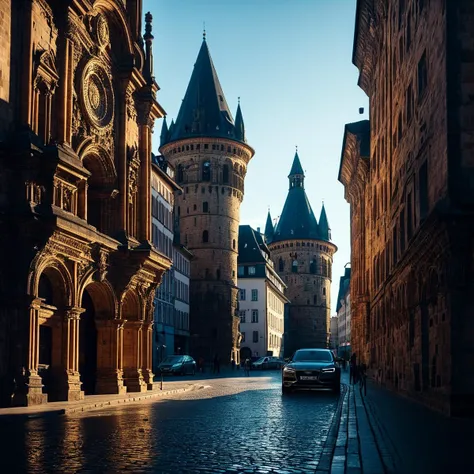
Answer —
402 231
242 295
180 174
255 316
254 295
205 207
409 216
251 270
312 265
242 316
206 171
423 190
240 271
233 244
324 291
218 273
281 265
225 174
294 266
315 299
205 236
243 337
255 336
422 76
395 245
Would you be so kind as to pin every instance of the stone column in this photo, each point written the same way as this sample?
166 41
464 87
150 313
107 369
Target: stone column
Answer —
28 388
144 192
147 358
133 355
110 356
70 381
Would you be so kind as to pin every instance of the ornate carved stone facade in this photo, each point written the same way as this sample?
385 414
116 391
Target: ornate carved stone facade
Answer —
210 155
79 273
408 178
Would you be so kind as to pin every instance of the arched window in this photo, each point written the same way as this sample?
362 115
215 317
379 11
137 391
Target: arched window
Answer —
205 236
281 264
180 174
205 207
206 171
233 244
315 299
225 174
312 265
218 273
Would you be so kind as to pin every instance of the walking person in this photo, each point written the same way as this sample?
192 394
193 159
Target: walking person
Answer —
353 369
232 363
247 367
362 375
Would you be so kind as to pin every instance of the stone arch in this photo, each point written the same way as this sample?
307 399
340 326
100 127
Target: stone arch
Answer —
120 32
100 191
103 295
54 269
130 306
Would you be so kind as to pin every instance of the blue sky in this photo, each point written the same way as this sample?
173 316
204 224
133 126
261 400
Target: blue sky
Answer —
290 62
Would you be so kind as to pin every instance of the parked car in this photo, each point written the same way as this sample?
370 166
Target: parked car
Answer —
310 369
268 362
178 364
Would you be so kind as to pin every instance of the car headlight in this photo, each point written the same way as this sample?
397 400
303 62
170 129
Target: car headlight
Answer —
289 370
328 370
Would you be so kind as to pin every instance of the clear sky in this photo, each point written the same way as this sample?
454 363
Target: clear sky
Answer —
290 62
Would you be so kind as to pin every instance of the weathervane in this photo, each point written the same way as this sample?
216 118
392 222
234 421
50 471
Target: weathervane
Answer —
204 31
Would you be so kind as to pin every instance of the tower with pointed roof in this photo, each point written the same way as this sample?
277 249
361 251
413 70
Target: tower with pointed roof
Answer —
302 252
210 154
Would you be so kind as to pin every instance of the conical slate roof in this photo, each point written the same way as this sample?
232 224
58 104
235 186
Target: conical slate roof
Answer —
204 111
324 229
296 168
164 132
239 125
269 229
297 220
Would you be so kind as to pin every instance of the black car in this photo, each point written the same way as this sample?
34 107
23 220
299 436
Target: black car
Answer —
311 368
178 364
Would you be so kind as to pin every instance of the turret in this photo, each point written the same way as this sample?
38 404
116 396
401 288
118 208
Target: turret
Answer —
239 125
164 133
324 229
269 229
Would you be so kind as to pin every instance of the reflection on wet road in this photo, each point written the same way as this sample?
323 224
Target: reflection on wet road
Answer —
237 425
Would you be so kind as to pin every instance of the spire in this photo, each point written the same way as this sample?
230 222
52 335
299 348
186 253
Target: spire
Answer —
269 229
148 37
239 125
164 133
204 111
324 229
296 175
297 220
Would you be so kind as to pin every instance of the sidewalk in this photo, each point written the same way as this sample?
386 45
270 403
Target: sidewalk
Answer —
93 402
385 433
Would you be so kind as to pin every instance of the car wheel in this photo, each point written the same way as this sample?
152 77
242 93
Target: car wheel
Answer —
285 390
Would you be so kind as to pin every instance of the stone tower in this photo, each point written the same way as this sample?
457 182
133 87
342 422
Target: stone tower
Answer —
302 253
210 155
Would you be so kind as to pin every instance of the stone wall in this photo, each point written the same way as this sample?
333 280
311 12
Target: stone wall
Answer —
309 290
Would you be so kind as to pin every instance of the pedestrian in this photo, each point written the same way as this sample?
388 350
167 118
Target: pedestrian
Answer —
362 375
233 363
247 367
352 368
201 364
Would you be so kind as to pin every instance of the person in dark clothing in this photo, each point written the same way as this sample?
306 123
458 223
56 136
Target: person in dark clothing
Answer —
353 369
233 363
362 376
247 367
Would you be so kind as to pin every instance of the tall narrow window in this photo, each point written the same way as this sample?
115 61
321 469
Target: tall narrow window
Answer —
409 216
422 76
206 171
180 174
281 264
255 336
225 174
205 207
255 316
423 190
254 295
205 236
233 244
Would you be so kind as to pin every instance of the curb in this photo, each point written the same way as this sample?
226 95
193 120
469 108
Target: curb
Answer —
100 405
325 459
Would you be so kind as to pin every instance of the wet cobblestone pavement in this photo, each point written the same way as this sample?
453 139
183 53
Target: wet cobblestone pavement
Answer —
235 425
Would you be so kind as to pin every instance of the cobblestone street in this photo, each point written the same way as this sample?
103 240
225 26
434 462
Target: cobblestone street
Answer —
235 424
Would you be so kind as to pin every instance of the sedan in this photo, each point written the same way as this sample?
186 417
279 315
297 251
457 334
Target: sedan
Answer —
310 369
178 364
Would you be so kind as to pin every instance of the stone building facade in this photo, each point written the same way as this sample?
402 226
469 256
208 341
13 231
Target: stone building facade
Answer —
210 155
409 180
302 252
262 298
343 310
77 107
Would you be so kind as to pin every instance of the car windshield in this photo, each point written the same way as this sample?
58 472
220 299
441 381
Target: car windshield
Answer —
172 360
317 356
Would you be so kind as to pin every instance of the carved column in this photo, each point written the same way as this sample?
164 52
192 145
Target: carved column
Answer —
147 351
121 155
28 388
110 357
133 355
70 382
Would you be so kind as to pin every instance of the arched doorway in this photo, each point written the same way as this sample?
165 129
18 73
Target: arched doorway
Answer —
245 353
88 345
